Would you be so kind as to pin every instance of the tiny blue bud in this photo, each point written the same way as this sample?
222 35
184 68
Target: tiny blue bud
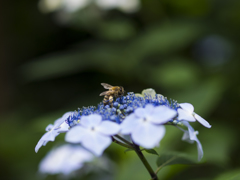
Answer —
114 109
125 106
107 106
121 107
129 109
71 124
115 104
124 101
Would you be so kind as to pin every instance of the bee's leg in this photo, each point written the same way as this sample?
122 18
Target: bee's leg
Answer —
111 100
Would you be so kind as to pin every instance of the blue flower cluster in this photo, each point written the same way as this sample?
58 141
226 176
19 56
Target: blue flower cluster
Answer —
121 108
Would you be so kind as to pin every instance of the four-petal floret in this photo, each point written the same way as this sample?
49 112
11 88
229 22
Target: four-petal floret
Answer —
146 125
93 133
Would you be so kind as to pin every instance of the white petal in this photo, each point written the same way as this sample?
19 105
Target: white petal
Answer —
140 112
96 143
184 115
92 120
187 107
148 135
162 114
129 124
202 121
108 128
75 134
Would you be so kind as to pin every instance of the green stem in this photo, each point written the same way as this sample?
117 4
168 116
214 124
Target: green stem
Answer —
145 162
139 153
122 144
124 140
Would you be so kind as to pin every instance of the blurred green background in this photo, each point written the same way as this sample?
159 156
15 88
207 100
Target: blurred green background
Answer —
55 54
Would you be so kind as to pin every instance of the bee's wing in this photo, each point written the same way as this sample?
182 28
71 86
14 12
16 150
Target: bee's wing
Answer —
106 86
104 93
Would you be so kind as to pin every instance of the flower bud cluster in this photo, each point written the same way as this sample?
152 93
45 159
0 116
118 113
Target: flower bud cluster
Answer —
142 116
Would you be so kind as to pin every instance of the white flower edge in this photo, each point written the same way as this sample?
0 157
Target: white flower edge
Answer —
186 112
53 131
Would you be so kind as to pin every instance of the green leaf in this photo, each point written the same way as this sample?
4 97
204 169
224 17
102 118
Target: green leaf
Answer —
229 175
173 158
128 150
151 151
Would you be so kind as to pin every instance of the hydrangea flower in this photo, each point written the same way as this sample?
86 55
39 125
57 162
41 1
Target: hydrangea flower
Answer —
146 124
186 113
190 136
65 159
93 133
53 131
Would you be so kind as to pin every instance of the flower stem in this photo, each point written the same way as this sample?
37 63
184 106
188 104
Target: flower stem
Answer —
145 162
122 144
124 140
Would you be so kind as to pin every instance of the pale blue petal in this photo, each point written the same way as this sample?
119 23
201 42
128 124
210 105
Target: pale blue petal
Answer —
96 143
162 114
64 127
149 108
202 121
186 137
67 114
129 124
192 137
90 121
48 136
39 145
185 115
187 107
140 112
108 128
60 120
54 161
200 150
76 157
75 134
64 159
191 131
148 135
49 127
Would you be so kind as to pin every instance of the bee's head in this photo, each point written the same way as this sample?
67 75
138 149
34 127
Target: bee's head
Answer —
121 91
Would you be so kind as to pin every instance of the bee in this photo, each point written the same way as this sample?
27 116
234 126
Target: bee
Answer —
113 91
